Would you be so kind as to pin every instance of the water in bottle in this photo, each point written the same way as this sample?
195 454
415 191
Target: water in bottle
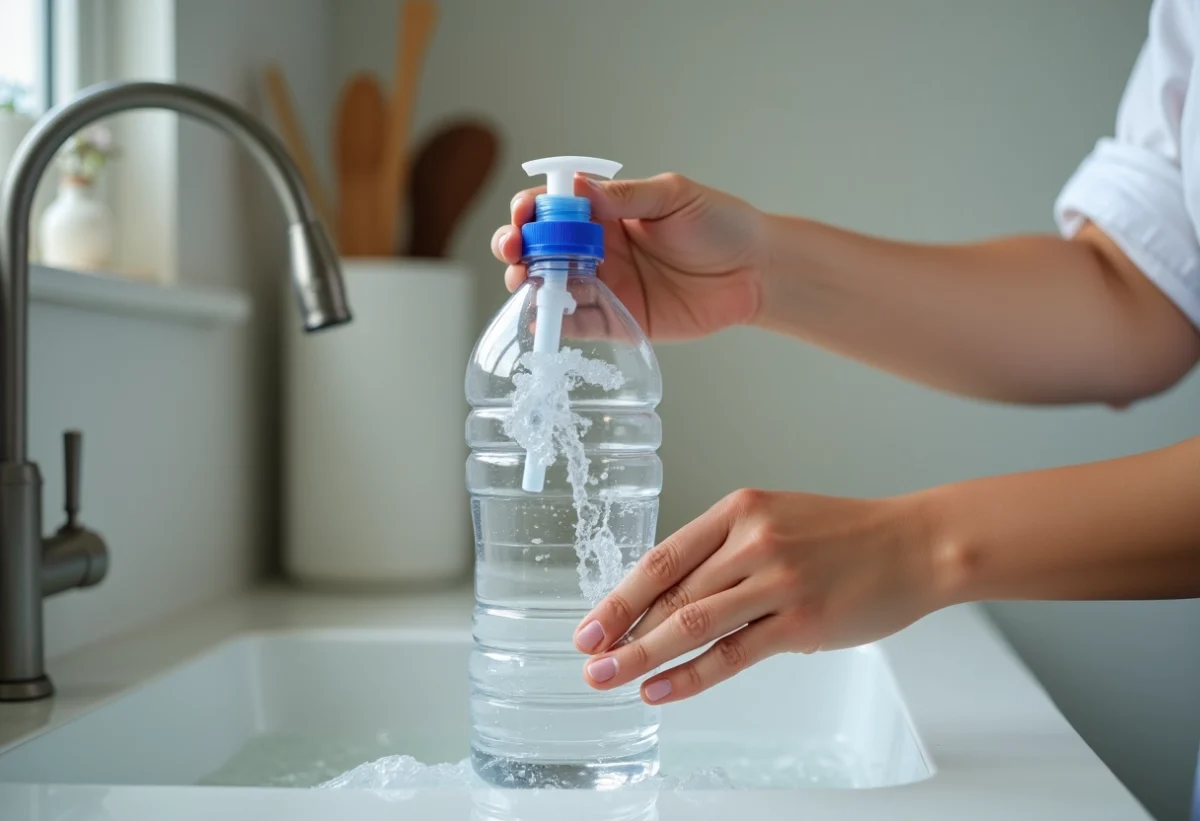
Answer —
564 480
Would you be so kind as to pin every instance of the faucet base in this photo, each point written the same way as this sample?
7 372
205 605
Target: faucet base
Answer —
31 690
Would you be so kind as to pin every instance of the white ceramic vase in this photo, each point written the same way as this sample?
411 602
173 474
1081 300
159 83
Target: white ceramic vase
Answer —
76 230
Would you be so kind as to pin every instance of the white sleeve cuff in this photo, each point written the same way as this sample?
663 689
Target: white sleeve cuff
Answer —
1136 197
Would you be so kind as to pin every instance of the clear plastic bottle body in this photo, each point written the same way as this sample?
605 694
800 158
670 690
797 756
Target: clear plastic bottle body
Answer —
535 722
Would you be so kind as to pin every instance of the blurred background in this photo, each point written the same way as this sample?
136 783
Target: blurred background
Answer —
935 120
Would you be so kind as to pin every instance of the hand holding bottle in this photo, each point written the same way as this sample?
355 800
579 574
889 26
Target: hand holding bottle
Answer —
761 573
686 260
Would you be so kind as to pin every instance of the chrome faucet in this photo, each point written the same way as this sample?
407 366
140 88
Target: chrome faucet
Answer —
32 567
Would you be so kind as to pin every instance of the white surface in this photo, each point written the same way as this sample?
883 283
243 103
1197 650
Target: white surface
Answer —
167 477
111 294
998 748
81 44
357 684
13 128
928 119
374 410
146 183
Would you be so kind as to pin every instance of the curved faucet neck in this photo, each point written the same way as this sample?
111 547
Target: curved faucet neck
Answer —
36 153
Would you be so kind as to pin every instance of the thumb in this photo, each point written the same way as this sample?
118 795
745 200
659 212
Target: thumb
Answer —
648 199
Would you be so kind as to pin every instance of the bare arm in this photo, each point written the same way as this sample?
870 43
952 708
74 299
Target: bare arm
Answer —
1034 319
763 572
1026 319
1121 529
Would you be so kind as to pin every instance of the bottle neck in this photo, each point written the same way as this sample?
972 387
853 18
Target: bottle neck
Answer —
548 208
558 266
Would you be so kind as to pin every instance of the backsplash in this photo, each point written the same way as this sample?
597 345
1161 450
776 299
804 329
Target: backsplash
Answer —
165 461
180 421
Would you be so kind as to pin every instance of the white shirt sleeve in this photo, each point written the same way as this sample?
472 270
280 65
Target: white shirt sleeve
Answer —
1132 185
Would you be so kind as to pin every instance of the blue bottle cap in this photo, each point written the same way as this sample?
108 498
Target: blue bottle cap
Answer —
562 223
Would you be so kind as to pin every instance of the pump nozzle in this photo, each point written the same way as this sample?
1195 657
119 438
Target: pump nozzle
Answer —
561 228
560 172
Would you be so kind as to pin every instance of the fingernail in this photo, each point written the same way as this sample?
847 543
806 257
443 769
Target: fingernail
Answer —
503 239
658 690
589 638
592 183
512 206
602 670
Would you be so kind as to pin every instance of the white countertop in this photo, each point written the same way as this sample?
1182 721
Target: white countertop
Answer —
1001 748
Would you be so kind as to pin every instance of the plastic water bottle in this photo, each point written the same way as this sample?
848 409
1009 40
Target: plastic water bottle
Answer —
564 480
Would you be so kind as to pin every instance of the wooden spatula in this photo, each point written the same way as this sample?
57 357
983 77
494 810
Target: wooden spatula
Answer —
417 19
359 150
448 173
293 138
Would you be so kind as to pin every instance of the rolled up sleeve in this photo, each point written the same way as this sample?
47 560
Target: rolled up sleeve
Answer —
1131 186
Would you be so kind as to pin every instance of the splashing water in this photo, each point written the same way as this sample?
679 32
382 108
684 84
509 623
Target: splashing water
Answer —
403 772
543 423
690 762
741 767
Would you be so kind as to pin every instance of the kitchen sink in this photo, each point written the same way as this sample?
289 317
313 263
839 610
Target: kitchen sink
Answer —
292 710
237 711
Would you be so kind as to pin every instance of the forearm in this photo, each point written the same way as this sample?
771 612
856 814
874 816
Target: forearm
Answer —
1026 319
1122 529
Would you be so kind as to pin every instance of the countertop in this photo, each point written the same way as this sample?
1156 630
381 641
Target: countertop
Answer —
87 677
1001 748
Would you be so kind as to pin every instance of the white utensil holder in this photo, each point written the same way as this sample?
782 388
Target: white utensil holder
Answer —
373 488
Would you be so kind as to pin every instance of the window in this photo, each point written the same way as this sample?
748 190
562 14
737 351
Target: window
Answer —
56 48
49 49
25 54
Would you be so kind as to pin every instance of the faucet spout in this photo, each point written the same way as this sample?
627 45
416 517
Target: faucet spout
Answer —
315 273
31 566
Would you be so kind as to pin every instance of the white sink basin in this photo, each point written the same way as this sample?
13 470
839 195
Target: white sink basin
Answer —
294 710
208 716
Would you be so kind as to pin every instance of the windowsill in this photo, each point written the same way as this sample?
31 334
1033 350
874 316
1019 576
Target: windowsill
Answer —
109 294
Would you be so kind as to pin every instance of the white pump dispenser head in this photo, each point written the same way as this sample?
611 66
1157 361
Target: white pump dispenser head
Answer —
560 172
553 300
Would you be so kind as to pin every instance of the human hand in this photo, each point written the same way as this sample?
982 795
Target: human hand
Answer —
685 260
764 573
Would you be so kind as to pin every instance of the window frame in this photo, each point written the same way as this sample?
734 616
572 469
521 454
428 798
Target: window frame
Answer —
77 38
46 82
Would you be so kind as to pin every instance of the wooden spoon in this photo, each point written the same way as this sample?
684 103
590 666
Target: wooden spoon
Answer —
417 19
359 150
449 172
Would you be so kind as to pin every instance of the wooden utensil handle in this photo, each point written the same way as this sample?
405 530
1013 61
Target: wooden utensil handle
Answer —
417 20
